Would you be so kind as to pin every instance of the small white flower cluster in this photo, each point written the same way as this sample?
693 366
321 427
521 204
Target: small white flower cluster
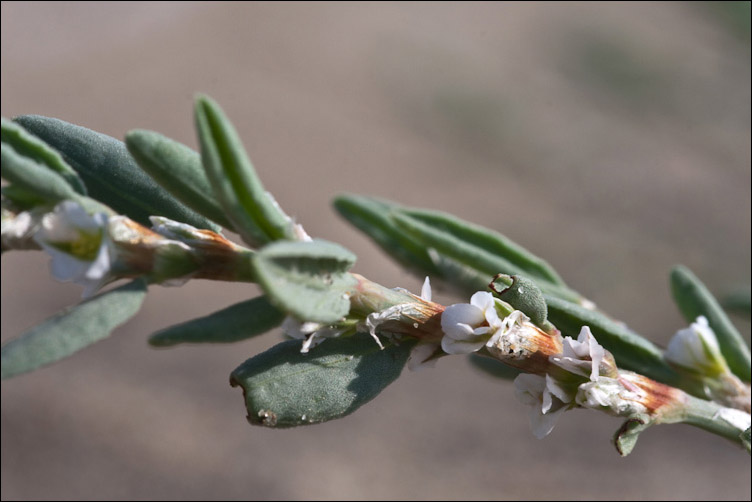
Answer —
469 326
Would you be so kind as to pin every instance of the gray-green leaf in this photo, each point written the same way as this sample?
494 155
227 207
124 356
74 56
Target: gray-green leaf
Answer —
178 169
371 216
284 388
694 299
492 242
234 323
110 173
34 148
254 214
33 177
72 329
306 279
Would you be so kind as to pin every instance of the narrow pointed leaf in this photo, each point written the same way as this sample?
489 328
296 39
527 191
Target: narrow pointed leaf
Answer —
371 216
306 279
234 323
34 178
471 255
72 329
110 173
254 214
631 351
492 242
739 303
34 148
284 388
694 299
178 170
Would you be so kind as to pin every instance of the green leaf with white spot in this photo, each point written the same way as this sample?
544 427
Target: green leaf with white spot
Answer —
72 329
237 322
178 170
110 173
309 280
254 214
284 388
30 146
694 300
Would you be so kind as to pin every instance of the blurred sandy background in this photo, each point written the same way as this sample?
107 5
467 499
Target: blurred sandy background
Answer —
613 139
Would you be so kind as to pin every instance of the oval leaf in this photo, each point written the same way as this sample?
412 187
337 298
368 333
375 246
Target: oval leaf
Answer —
284 388
32 147
110 173
694 299
234 323
307 279
72 329
178 169
255 215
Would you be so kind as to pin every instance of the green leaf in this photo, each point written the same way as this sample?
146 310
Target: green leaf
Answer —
739 303
490 241
178 170
524 295
631 351
234 323
371 216
72 329
694 300
469 254
307 279
493 367
110 173
254 214
626 437
745 439
32 147
284 388
34 178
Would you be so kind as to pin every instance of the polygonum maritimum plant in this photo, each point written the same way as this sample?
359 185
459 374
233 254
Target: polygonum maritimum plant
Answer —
152 211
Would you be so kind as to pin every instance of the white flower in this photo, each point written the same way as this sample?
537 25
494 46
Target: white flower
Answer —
582 357
547 398
696 349
312 333
468 326
79 245
609 394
